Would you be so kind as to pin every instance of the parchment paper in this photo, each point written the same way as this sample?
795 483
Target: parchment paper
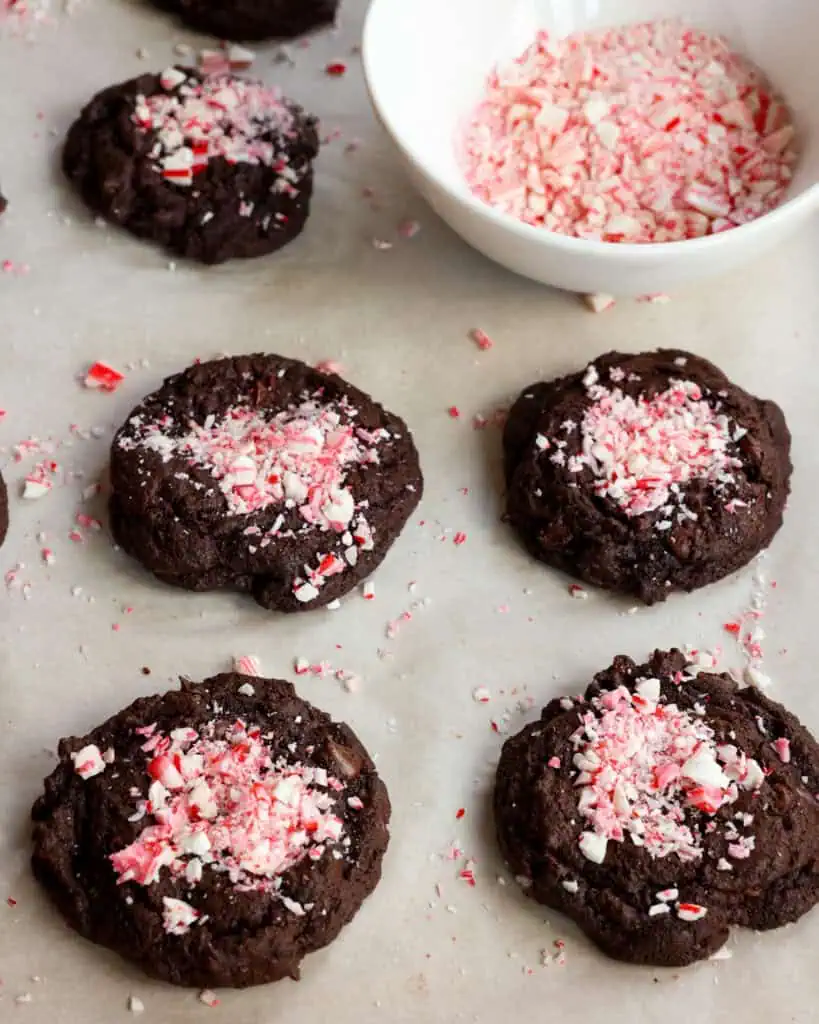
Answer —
398 321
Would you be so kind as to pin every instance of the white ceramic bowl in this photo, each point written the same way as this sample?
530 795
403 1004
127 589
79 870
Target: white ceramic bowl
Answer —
426 62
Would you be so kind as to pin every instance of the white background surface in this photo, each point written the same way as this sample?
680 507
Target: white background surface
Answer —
398 321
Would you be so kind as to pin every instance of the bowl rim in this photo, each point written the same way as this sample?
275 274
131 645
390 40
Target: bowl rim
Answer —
631 251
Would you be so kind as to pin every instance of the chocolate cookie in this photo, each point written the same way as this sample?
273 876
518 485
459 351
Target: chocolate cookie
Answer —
4 510
215 835
646 473
253 19
4 204
212 167
262 474
660 808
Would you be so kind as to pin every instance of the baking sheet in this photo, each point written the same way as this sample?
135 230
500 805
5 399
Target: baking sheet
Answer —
482 613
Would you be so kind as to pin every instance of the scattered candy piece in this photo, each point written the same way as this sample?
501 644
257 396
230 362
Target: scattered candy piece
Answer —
599 302
247 665
481 339
408 228
103 378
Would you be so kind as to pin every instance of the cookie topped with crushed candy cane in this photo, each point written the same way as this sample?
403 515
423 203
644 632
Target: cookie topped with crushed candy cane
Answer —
661 807
211 166
646 473
216 834
262 474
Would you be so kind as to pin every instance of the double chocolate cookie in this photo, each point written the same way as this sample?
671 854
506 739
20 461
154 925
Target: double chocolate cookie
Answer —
212 167
253 19
265 475
215 835
646 474
660 808
4 510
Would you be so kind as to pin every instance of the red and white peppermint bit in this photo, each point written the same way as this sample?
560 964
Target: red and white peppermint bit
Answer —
196 121
409 228
297 459
652 132
39 480
177 916
102 377
642 763
782 746
643 451
481 339
691 911
247 665
89 762
599 302
219 800
208 997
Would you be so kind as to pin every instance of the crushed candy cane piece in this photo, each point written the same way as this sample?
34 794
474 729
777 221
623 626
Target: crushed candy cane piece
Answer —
599 302
691 911
177 916
103 377
247 665
409 228
481 339
782 746
88 762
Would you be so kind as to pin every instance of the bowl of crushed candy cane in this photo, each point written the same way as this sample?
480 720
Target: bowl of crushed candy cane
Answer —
625 147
